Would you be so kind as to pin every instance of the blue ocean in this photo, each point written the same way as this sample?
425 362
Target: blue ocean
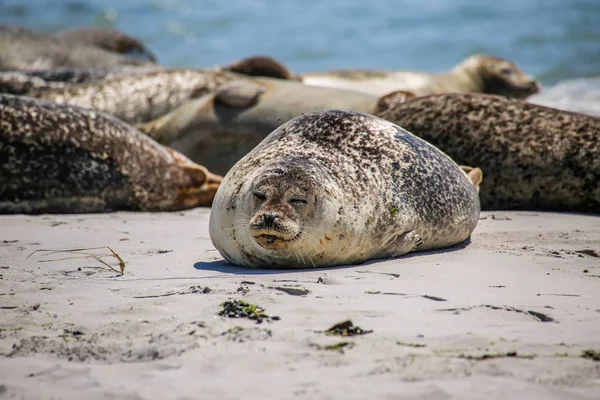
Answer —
558 41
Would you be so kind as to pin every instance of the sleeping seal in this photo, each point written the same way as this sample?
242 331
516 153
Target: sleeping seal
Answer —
64 159
33 82
136 98
24 49
222 127
339 187
478 73
533 157
107 39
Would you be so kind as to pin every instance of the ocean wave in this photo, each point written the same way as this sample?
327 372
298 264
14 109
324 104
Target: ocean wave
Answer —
579 95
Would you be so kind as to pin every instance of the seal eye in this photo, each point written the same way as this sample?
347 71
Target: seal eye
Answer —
260 195
297 202
506 71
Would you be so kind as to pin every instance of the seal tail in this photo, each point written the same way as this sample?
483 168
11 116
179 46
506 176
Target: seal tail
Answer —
474 174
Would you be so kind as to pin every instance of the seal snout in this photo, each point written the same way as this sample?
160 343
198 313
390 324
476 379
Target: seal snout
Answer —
268 220
271 229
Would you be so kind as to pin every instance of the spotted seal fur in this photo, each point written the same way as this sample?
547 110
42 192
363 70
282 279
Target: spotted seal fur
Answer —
35 81
64 159
136 98
533 157
339 187
222 127
478 73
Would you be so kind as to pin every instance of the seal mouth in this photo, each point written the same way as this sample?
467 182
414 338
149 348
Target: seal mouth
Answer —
270 239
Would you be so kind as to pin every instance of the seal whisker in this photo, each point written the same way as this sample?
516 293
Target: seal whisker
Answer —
310 258
306 238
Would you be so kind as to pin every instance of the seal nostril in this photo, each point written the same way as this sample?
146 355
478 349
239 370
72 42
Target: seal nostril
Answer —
269 219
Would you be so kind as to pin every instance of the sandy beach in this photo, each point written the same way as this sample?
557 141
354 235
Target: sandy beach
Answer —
514 314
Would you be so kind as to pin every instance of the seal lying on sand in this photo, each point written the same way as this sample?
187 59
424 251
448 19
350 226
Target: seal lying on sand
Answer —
338 187
478 73
63 159
136 98
533 157
24 49
224 126
107 39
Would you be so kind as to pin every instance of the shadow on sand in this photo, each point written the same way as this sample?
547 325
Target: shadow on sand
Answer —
227 268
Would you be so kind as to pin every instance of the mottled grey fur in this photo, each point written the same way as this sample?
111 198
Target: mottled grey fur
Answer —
67 159
533 157
372 190
140 97
24 82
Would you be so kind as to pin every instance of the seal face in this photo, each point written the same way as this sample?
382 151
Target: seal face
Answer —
478 73
498 76
533 157
339 187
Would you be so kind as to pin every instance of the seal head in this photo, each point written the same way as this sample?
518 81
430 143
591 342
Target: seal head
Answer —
498 76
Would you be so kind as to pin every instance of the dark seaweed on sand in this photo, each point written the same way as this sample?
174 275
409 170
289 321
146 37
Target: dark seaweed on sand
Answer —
242 309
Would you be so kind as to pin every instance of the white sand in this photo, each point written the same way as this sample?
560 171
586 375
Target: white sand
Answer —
70 334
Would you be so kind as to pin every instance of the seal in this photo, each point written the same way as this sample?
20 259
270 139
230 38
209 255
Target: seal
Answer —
222 127
533 157
139 97
64 159
107 39
24 82
478 73
339 187
25 49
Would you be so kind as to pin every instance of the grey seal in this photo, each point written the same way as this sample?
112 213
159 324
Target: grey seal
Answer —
64 159
24 49
107 39
222 127
478 73
533 157
139 97
339 187
35 81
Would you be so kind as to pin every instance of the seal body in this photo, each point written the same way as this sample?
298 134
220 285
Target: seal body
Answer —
339 187
136 98
478 73
222 127
35 81
108 39
23 49
63 159
533 157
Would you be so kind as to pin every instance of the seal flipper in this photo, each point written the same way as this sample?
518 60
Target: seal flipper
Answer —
404 243
239 94
261 66
390 100
196 185
474 174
